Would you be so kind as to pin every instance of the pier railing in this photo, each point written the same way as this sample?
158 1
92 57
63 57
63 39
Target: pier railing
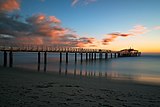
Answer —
52 49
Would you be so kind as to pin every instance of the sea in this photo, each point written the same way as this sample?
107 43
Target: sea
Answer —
143 68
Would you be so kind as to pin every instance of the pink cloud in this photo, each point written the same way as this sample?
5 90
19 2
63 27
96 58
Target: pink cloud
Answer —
156 28
138 30
29 41
54 19
9 5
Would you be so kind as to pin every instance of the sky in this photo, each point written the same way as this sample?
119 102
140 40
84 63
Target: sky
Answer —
99 24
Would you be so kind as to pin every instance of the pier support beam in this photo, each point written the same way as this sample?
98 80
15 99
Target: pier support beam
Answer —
118 54
45 60
5 59
75 57
86 56
100 55
60 57
89 56
10 59
115 55
66 57
94 55
39 60
106 55
81 57
111 55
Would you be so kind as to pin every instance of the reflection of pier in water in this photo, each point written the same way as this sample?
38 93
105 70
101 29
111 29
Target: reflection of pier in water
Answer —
80 56
81 69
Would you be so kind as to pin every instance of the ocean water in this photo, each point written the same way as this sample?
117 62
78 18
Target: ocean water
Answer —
146 67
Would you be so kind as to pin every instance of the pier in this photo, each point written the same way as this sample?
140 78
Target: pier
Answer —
87 54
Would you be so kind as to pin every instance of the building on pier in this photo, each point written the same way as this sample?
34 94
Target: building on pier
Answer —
128 53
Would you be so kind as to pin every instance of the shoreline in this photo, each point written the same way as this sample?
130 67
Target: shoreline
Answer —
22 87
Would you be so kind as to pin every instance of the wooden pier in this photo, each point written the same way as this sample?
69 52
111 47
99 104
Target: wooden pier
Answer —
90 54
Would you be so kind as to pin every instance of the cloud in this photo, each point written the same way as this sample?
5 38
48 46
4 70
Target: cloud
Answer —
9 5
85 41
54 19
156 28
40 29
29 41
10 26
137 30
112 36
74 2
41 18
4 36
46 25
83 2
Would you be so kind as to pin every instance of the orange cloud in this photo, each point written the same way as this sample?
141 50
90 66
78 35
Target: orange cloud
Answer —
85 42
29 41
46 25
9 5
112 36
137 30
54 19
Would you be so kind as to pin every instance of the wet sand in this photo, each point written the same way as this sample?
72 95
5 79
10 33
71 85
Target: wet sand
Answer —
26 88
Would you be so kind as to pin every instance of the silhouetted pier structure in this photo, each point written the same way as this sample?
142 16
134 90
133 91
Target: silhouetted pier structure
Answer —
90 54
128 53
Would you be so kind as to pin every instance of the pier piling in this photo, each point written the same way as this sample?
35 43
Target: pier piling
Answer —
106 55
111 55
94 55
60 57
5 59
115 55
81 56
75 57
86 56
89 56
45 60
66 57
39 60
100 55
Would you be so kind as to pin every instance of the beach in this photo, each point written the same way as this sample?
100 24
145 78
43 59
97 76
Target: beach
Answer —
28 88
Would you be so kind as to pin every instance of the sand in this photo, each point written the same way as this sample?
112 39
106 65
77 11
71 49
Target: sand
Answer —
26 88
